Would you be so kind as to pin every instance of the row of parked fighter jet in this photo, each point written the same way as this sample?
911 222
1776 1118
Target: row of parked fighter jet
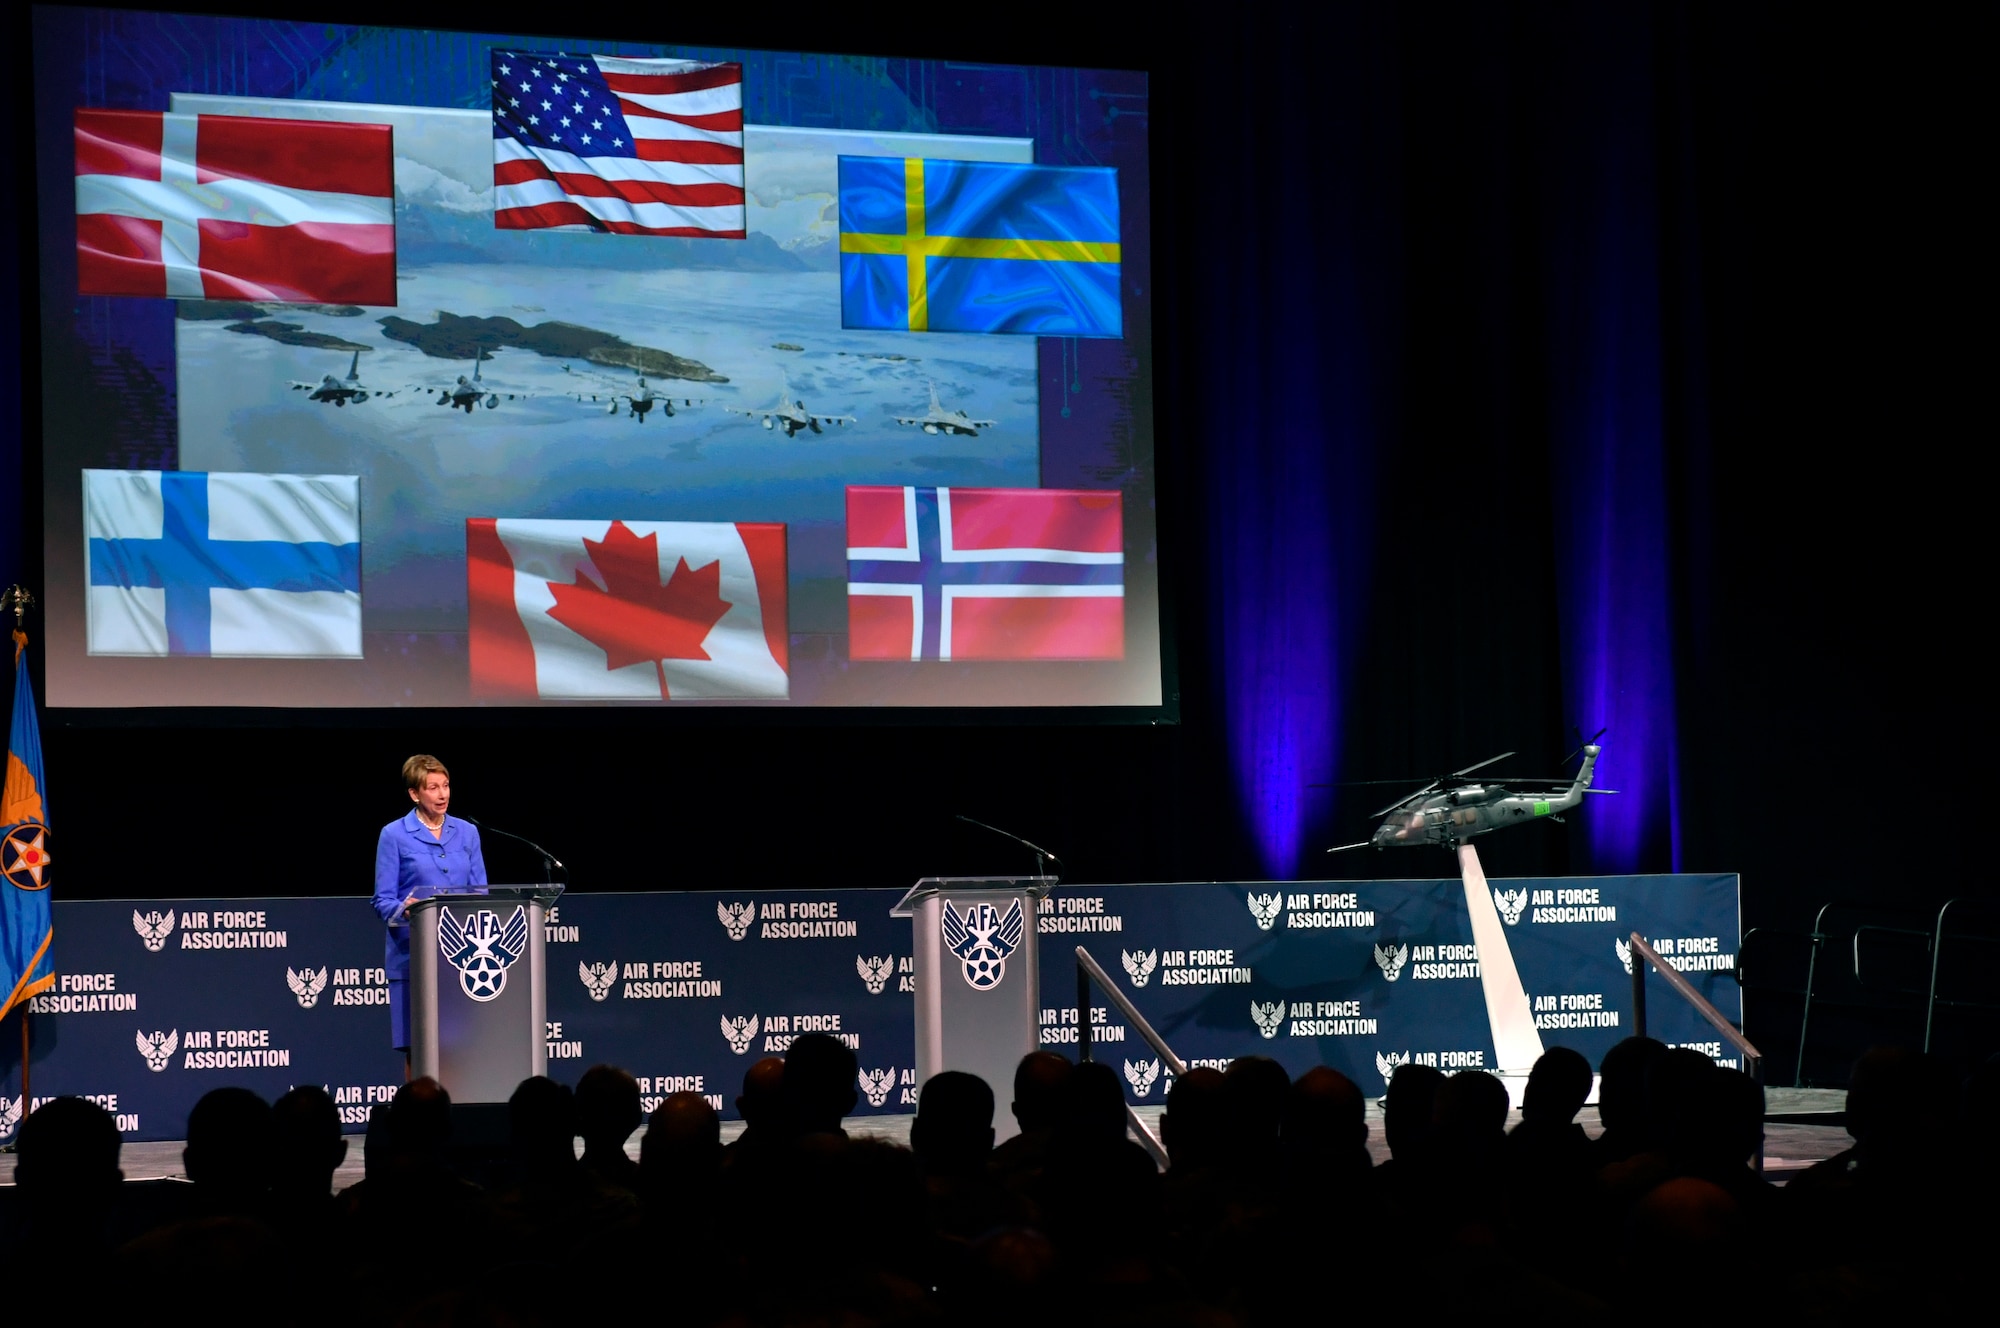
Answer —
787 413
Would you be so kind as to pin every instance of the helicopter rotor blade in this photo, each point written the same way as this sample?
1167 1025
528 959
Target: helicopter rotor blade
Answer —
1342 848
1481 765
1583 742
1404 802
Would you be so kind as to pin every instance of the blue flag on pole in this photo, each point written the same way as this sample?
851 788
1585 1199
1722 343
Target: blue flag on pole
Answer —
979 246
25 966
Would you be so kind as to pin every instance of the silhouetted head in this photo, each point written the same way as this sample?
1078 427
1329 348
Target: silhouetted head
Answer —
1324 1113
1558 1086
306 1143
1407 1108
228 1153
1093 1105
67 1156
1470 1114
1899 1101
1195 1128
607 1108
820 1076
1731 1118
683 1142
1677 1097
1681 1223
1253 1092
1039 1082
419 1120
953 1131
1621 1083
762 1101
541 1123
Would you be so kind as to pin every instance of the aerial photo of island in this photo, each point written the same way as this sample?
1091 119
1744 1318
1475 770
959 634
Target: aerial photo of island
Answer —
574 375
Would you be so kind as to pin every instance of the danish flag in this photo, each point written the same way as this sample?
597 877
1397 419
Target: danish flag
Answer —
224 207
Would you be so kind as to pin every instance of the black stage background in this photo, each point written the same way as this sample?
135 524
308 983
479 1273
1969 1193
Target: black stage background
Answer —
1808 178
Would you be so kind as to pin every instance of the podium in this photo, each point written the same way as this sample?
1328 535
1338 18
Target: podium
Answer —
478 990
978 977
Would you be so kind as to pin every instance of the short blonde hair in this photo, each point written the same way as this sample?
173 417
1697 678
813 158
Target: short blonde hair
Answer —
419 768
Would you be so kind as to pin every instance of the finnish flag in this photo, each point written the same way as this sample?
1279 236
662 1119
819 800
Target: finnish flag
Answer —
207 563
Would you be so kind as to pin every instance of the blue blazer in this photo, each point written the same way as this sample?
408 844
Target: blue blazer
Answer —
408 861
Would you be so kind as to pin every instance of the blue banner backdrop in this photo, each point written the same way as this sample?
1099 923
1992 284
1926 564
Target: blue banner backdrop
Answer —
158 1001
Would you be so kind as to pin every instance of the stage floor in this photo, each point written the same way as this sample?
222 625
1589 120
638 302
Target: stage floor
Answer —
1789 1146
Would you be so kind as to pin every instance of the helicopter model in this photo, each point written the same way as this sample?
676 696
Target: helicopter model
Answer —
1453 809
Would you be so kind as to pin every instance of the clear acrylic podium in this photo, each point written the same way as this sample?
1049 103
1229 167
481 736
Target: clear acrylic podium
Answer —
478 995
978 977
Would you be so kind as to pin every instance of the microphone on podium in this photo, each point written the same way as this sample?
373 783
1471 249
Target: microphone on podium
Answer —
1042 856
549 859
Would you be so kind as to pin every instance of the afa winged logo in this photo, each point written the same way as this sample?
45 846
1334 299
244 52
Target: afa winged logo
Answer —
982 939
736 918
1390 959
598 979
1624 948
153 927
1269 1016
159 1048
1386 1064
482 950
10 1114
875 1085
307 985
1141 1076
1510 903
875 972
1265 909
1140 966
741 1032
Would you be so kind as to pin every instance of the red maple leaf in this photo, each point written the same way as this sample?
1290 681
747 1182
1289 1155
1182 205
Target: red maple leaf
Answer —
633 618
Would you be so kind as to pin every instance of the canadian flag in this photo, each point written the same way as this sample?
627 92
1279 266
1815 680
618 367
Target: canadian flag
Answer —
626 610
224 207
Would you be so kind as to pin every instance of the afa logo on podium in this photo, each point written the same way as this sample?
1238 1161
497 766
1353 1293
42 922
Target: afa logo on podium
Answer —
982 938
482 950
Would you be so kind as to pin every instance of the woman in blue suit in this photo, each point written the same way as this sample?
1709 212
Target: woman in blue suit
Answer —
417 856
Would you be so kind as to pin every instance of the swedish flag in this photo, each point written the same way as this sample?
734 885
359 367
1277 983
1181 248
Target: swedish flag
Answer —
25 966
979 246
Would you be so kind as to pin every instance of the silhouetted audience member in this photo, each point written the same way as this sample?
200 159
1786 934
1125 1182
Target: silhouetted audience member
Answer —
953 1132
680 1156
1254 1089
1195 1125
1621 1100
1548 1141
1407 1108
1326 1124
307 1148
412 1226
820 1081
67 1177
607 1111
761 1104
228 1153
1041 1082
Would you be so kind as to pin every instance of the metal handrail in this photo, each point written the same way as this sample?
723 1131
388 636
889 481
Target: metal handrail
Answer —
1643 954
1937 957
1087 971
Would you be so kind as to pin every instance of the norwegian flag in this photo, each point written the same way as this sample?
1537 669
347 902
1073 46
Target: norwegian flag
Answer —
632 147
224 207
985 574
626 611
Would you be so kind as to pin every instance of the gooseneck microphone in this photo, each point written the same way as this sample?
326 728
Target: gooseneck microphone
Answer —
549 860
1042 855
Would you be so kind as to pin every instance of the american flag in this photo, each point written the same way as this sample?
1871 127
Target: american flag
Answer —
634 147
